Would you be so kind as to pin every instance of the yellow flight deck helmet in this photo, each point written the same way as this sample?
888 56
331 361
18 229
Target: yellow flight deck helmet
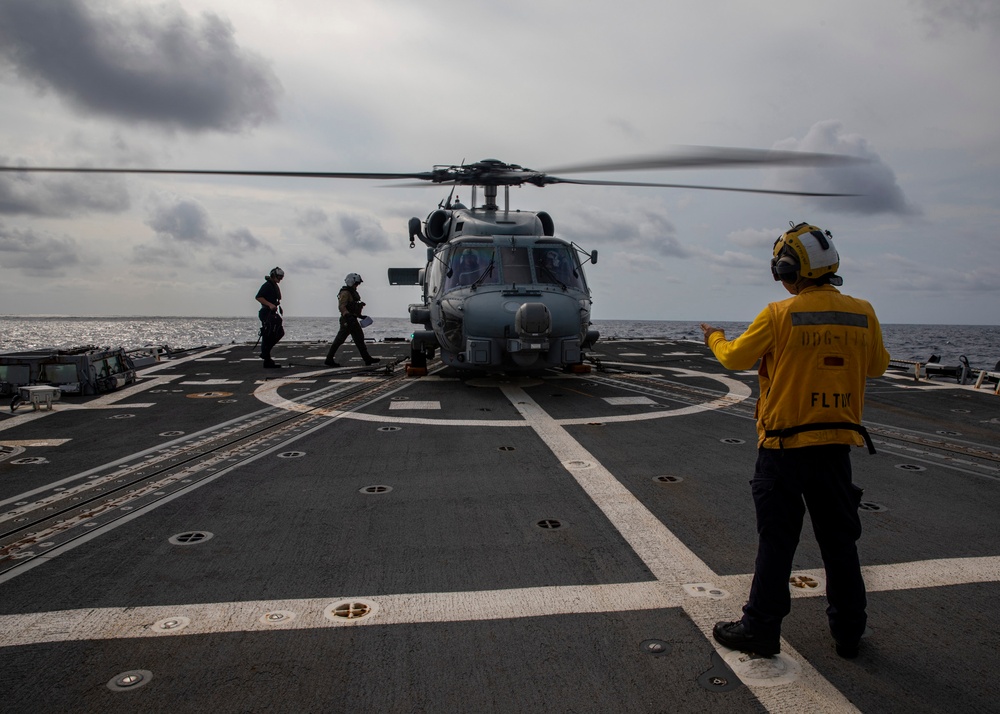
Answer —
805 251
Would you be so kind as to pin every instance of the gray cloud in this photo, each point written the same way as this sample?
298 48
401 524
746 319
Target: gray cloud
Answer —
940 16
60 196
344 231
185 221
38 255
156 65
647 228
873 181
241 240
364 232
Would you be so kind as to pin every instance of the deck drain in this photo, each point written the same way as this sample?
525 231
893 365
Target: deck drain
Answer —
190 538
132 679
171 624
705 590
720 678
505 448
730 440
399 399
376 489
8 451
122 416
657 648
549 524
910 467
171 433
350 610
31 460
389 428
668 479
577 464
946 432
210 395
277 617
871 506
595 423
291 454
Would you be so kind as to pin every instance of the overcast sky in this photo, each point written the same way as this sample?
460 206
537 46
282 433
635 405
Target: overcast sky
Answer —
398 85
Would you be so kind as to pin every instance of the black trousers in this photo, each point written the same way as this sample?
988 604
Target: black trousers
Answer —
786 483
268 339
350 327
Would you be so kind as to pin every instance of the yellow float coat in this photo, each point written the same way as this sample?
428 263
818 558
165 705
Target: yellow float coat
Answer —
815 349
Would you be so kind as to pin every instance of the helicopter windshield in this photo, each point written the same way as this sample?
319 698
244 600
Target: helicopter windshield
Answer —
538 263
471 264
556 263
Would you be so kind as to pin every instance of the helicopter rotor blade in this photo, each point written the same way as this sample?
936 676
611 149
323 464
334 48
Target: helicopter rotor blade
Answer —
555 179
280 174
712 157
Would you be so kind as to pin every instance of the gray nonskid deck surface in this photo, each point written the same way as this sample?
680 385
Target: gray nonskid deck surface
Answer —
366 542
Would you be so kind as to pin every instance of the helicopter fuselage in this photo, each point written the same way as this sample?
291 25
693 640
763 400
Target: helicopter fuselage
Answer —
501 292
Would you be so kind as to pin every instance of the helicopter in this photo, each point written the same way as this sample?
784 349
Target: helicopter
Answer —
500 291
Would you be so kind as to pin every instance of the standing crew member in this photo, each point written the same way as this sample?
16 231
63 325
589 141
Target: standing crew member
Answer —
350 306
271 330
815 349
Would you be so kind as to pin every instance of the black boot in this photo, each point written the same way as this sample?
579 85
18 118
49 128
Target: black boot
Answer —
735 636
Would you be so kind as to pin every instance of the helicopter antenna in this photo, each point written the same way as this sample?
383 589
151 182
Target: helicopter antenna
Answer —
447 202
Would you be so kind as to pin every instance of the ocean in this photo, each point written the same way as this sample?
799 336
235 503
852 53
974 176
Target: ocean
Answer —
979 343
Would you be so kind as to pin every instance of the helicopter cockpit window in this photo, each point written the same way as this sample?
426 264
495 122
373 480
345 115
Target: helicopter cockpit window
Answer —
471 265
555 264
516 269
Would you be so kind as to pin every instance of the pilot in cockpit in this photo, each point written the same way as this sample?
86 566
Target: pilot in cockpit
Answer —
468 270
554 267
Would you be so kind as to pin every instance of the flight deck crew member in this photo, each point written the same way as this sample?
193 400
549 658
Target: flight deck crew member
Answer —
271 331
350 306
815 349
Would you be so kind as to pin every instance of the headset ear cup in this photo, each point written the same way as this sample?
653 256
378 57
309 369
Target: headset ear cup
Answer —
787 269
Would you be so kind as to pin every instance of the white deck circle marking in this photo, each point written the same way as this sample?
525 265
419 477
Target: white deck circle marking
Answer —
737 392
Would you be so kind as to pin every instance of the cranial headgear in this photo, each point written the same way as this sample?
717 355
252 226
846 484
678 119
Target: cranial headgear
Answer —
805 251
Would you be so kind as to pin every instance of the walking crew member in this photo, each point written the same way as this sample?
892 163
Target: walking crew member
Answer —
815 350
271 330
350 306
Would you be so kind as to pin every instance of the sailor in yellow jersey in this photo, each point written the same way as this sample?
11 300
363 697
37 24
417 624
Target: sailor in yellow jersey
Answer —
815 351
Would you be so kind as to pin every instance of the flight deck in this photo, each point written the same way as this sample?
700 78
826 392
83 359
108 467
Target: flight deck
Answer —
221 537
